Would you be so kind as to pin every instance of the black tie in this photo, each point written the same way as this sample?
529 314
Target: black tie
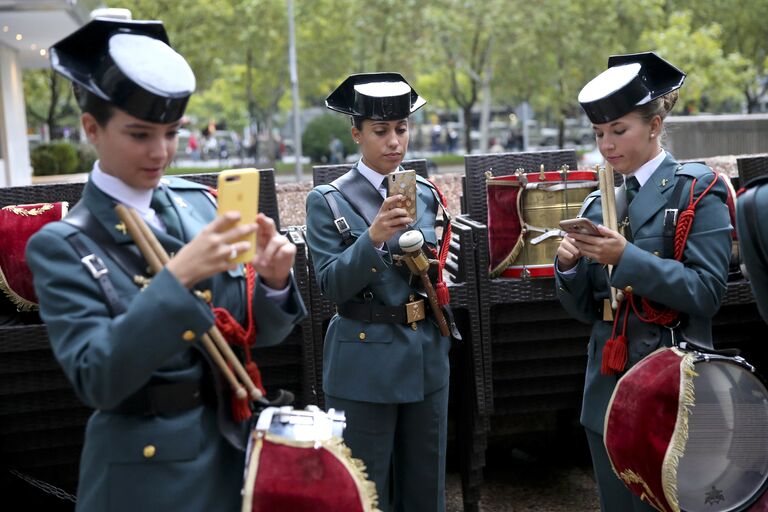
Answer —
163 207
384 187
632 186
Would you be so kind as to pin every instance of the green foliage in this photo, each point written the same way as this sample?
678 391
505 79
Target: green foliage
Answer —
320 131
54 158
86 156
713 77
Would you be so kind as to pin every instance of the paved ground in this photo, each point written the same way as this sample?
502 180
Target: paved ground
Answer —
540 472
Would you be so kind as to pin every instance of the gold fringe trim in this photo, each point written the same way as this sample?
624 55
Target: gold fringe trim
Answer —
20 302
369 499
250 477
511 257
676 448
630 477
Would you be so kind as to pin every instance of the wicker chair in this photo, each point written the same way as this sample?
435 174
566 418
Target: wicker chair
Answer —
467 378
41 419
751 167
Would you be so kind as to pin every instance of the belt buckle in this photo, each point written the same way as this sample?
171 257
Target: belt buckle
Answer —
414 311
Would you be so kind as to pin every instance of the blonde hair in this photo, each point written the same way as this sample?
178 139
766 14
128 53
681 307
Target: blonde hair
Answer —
661 107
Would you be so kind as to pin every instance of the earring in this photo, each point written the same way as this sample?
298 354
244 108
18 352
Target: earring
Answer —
653 135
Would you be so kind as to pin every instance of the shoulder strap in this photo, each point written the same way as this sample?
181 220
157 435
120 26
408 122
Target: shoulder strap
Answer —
747 201
338 220
129 262
359 193
99 272
670 217
82 219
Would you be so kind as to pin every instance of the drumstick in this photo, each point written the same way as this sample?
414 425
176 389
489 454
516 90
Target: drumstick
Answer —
608 204
157 257
213 332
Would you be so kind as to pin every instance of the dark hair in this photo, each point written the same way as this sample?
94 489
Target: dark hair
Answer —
100 109
357 121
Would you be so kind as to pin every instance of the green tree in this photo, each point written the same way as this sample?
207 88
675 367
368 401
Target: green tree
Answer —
713 76
49 100
319 133
744 34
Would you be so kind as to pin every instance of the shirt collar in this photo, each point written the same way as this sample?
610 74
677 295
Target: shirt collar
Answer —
373 176
138 199
645 171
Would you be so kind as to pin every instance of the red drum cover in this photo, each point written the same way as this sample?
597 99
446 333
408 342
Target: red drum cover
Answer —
641 434
305 476
504 227
17 224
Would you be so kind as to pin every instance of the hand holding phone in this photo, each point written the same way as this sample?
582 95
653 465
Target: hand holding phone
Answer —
404 183
238 190
580 225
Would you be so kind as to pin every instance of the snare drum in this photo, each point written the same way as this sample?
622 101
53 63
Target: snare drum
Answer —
688 431
296 460
524 214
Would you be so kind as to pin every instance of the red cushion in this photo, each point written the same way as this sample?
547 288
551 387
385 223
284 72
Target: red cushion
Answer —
17 224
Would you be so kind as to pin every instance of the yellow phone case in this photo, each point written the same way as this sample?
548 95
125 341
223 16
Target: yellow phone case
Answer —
404 182
239 191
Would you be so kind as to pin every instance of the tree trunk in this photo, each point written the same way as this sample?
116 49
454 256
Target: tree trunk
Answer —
270 141
51 117
467 109
561 132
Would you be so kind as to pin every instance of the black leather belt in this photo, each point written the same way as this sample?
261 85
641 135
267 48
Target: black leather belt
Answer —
376 313
162 398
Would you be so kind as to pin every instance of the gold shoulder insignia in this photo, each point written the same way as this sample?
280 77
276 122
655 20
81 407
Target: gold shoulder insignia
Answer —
121 228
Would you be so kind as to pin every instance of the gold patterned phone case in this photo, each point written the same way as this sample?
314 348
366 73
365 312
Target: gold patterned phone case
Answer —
404 182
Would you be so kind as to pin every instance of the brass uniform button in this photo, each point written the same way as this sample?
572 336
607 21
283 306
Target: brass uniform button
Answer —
149 451
628 289
657 253
373 269
414 326
361 336
188 336
207 296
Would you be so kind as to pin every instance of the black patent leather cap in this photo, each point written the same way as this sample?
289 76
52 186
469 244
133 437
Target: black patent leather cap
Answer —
129 64
376 96
630 81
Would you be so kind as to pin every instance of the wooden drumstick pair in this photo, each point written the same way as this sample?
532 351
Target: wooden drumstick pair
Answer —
213 340
608 203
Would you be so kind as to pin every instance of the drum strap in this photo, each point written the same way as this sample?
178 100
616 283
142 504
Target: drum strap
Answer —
670 219
129 262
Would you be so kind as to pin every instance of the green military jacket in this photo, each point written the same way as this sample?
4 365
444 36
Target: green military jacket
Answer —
188 461
373 362
693 286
